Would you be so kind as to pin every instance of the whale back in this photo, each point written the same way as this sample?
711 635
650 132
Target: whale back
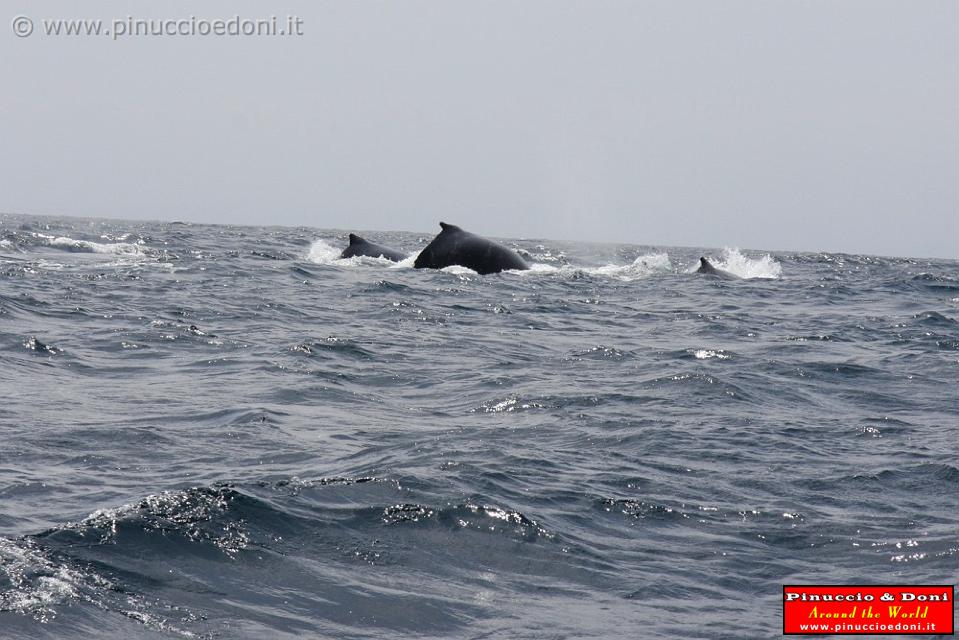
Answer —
454 246
706 267
362 247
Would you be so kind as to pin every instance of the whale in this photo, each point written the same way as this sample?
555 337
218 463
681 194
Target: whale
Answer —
454 246
361 247
706 267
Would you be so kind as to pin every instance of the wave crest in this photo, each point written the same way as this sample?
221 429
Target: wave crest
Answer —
138 248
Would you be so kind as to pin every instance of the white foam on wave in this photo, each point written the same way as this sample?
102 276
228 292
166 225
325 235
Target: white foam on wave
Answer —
36 581
706 354
405 263
365 260
135 249
641 267
322 253
745 267
459 270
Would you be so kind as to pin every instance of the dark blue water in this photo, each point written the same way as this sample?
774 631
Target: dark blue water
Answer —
212 431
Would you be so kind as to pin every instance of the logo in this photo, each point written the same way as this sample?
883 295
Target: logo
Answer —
869 609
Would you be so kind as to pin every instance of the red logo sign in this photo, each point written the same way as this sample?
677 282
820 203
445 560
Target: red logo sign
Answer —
873 610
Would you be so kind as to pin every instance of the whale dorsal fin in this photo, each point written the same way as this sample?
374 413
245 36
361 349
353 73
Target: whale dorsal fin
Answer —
355 238
703 262
449 227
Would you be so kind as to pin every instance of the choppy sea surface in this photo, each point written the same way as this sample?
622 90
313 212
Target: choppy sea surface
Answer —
227 432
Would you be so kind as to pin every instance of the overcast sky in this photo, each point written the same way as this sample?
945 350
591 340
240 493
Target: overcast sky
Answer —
807 125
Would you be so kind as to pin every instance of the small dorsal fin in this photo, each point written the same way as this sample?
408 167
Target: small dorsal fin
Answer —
355 238
703 262
449 227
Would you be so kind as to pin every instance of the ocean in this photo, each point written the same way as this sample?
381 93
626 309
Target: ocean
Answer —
228 432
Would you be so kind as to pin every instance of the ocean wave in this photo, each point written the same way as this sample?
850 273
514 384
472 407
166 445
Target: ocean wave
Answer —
473 516
508 405
189 513
35 582
65 243
937 282
333 344
642 267
41 347
260 445
31 581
